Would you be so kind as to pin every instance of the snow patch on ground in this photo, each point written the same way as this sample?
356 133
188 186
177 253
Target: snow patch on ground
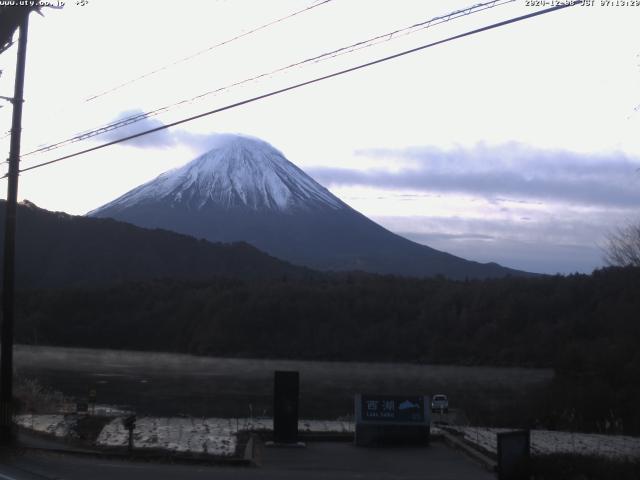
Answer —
544 442
202 435
212 436
215 436
304 426
56 425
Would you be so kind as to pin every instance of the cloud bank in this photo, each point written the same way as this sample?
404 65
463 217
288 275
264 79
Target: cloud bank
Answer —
512 170
140 122
169 137
551 243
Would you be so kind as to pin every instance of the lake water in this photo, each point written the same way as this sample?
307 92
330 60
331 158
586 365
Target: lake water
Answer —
174 384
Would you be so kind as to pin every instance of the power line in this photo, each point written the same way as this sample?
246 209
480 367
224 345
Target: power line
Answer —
87 134
208 49
308 82
415 28
388 36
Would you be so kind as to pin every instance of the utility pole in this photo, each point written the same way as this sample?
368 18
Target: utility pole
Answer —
8 286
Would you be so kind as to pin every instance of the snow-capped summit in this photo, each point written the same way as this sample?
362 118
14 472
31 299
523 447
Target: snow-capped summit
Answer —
239 171
246 190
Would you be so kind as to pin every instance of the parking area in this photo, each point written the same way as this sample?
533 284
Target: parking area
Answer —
344 460
319 460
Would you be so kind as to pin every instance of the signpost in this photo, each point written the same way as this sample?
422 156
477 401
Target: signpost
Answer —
130 424
385 419
92 400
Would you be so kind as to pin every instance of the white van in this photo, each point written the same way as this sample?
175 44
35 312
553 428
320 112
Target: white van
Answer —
440 403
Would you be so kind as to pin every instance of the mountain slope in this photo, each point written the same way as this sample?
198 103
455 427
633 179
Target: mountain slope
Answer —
59 250
244 189
240 172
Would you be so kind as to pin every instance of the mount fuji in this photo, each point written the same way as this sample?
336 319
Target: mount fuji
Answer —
244 189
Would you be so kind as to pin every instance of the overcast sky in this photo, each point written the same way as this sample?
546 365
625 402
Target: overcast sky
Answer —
519 145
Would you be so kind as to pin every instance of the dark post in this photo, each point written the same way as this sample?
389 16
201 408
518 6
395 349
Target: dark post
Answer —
285 407
130 424
514 450
92 400
8 287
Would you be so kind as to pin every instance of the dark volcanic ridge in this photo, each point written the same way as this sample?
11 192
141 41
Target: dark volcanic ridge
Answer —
57 250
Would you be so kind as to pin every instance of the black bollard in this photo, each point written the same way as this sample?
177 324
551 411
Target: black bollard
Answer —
514 450
285 407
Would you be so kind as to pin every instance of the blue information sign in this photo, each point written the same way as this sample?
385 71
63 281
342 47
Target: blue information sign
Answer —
388 419
392 408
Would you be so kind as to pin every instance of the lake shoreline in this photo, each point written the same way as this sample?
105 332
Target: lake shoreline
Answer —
167 384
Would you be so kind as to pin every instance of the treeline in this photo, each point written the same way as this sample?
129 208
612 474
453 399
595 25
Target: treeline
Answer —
56 250
585 326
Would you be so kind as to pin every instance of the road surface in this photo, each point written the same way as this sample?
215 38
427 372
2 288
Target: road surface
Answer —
318 461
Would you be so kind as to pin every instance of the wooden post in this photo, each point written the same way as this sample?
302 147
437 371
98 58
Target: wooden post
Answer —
8 286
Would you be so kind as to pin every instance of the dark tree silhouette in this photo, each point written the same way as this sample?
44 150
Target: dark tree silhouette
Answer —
623 246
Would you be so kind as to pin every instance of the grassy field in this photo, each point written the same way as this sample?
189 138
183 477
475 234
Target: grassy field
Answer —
172 384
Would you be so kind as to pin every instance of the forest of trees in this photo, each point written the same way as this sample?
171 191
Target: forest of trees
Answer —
584 326
56 250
